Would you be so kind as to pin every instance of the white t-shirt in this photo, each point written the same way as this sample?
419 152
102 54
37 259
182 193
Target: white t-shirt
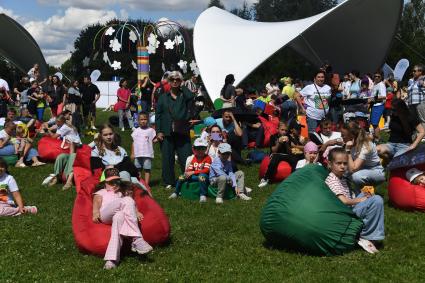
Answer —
4 136
333 136
143 142
303 162
8 186
69 133
272 89
315 108
370 157
110 158
380 90
4 84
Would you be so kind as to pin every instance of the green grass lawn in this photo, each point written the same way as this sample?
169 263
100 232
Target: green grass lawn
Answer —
208 242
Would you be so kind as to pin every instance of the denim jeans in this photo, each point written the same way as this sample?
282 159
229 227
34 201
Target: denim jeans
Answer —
366 177
396 149
202 179
127 113
312 124
371 211
289 111
10 150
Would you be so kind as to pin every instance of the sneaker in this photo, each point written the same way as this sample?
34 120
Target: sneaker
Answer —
243 196
20 165
248 190
173 196
47 180
367 246
140 246
109 264
203 199
31 209
122 129
168 187
38 163
218 200
53 181
263 183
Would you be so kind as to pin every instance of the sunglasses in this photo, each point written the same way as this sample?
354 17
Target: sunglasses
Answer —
175 80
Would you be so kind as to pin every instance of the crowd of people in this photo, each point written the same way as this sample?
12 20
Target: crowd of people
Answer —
342 118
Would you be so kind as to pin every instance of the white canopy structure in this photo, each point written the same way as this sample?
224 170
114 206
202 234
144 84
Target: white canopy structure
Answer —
19 47
356 34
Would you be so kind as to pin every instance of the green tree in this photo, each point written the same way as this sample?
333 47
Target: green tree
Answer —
245 12
216 3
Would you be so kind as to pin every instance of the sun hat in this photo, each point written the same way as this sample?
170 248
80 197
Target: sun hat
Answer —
311 147
200 143
224 148
411 174
209 121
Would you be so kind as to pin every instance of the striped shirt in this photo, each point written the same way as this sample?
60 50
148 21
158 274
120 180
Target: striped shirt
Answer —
338 186
416 91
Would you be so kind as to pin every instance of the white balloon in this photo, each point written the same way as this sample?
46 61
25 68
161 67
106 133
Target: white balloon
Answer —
59 74
400 69
94 76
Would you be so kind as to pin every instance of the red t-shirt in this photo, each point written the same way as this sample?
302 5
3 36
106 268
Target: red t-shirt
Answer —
389 100
200 166
165 85
123 95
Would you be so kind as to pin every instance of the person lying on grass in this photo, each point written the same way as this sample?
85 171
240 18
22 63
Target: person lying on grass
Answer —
11 202
368 207
416 177
113 204
197 170
221 174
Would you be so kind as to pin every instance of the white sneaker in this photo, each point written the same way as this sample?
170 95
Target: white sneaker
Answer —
173 196
218 200
263 183
168 187
367 246
203 199
47 180
122 129
243 196
248 190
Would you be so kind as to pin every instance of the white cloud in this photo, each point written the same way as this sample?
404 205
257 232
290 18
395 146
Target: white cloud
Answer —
56 35
147 5
9 13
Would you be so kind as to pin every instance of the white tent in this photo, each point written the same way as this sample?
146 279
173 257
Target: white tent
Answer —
356 34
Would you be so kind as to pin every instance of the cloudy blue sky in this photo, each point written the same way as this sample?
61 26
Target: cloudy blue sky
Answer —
56 23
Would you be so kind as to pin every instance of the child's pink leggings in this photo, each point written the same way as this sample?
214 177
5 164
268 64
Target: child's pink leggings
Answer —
8 210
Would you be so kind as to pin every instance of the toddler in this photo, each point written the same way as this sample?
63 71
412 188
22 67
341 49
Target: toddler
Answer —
311 153
416 177
11 202
113 204
197 170
142 148
67 133
368 207
22 144
221 174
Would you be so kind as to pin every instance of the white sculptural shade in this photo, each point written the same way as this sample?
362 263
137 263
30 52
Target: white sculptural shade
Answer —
19 47
356 34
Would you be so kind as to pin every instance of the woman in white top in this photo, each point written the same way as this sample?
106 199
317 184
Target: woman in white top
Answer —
316 97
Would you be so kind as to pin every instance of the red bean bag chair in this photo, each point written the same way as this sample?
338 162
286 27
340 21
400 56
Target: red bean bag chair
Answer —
282 172
49 149
270 128
402 193
93 238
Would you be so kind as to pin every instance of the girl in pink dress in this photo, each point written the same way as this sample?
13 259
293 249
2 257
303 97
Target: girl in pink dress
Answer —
113 203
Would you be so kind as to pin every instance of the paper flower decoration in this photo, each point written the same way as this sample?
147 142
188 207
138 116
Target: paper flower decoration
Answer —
152 38
86 61
115 45
116 65
110 31
196 71
132 36
193 65
106 58
178 39
183 65
134 64
151 49
169 44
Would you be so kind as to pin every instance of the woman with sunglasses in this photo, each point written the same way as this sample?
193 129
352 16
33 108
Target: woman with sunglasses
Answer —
403 125
172 122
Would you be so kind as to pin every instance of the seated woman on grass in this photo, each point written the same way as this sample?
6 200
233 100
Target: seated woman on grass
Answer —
368 207
197 170
364 164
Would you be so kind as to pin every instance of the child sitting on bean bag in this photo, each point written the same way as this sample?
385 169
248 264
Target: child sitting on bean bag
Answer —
311 153
197 170
416 177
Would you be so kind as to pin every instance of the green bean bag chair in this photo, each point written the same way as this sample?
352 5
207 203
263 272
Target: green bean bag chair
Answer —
304 215
10 159
191 191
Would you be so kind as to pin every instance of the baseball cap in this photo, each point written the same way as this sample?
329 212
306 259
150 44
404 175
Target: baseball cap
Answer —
209 121
224 147
411 174
200 143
